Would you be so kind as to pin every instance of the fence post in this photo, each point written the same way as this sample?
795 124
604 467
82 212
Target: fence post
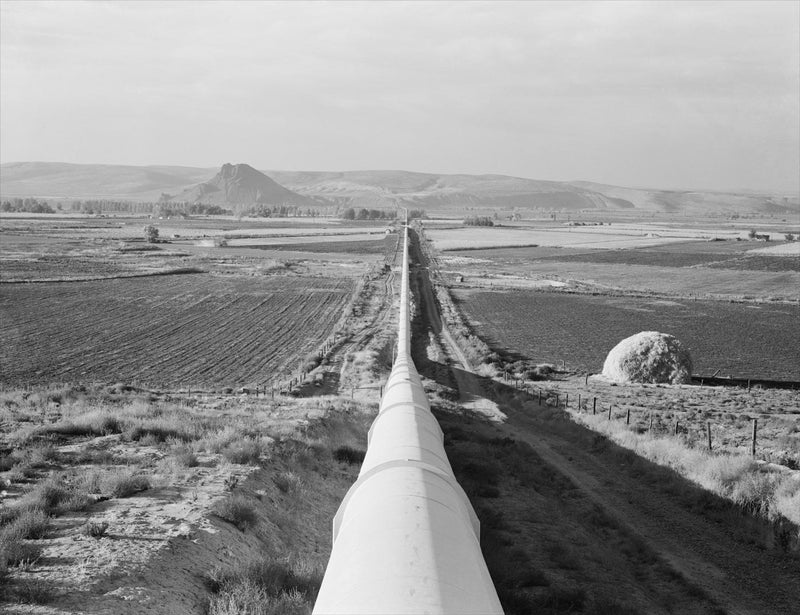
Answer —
628 416
610 406
566 400
675 433
594 406
579 402
556 400
540 397
708 431
586 381
755 431
650 428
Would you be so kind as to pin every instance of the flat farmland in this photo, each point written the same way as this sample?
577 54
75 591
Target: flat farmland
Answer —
179 330
367 244
740 340
726 269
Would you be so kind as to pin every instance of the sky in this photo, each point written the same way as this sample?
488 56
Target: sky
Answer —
673 95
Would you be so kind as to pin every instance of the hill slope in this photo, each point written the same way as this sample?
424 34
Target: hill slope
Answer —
431 191
242 184
95 181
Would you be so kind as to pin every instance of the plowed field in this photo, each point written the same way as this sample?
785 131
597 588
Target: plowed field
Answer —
740 340
190 330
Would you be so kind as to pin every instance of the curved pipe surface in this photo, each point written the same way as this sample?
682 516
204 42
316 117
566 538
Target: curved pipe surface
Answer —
405 537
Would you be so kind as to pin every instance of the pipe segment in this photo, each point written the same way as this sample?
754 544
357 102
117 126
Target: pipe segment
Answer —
405 537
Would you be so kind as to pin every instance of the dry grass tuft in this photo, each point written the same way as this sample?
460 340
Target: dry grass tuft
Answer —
265 587
287 482
95 529
738 478
246 451
236 509
124 483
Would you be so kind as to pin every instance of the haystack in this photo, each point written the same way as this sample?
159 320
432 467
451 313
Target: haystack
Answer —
650 357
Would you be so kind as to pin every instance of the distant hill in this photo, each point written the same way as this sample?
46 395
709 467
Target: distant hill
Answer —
436 192
429 191
96 181
697 201
242 184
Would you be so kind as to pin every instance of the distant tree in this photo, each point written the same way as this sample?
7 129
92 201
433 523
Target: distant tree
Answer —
349 214
752 234
789 236
151 234
478 221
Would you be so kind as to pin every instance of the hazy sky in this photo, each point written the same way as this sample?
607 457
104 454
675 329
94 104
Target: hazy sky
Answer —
659 94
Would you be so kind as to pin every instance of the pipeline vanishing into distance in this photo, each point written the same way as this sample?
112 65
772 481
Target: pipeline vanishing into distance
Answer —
405 537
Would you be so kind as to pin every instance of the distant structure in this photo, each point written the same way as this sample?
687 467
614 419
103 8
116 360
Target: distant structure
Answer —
405 538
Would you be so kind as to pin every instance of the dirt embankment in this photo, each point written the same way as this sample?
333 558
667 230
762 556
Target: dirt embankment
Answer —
597 528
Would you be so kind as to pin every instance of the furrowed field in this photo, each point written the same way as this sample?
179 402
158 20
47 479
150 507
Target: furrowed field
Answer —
740 340
167 330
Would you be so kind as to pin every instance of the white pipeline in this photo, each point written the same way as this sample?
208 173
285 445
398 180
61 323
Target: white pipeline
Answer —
405 538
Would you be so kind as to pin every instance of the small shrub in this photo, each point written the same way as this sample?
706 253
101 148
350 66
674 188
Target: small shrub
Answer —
31 523
33 592
264 587
186 458
41 455
287 482
350 455
95 529
238 510
54 496
245 451
15 552
125 484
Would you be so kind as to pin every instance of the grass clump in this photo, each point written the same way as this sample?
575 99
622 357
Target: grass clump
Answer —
265 587
238 510
95 529
33 592
287 482
349 455
30 523
246 451
55 495
14 551
125 483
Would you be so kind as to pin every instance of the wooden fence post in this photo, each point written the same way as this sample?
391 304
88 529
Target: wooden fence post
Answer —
540 397
755 431
586 381
579 402
675 433
628 416
708 431
650 428
610 406
566 400
594 406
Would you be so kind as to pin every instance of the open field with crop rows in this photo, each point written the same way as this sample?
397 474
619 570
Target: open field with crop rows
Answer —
193 330
741 340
